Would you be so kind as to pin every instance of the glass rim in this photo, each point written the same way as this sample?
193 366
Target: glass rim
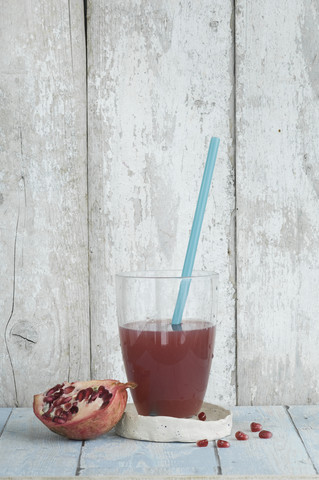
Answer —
166 274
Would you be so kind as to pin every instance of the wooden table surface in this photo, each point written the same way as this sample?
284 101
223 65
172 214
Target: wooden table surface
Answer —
29 449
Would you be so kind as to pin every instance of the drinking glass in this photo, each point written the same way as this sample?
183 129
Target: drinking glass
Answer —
169 363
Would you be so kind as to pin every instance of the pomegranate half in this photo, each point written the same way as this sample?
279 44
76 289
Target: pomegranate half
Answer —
82 410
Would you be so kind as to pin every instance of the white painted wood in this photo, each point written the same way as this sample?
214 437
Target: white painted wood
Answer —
277 140
160 84
133 457
43 205
28 448
283 454
306 420
4 415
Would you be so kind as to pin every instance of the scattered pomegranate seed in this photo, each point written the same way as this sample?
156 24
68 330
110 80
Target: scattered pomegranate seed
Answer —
265 434
222 444
255 427
202 416
202 443
241 436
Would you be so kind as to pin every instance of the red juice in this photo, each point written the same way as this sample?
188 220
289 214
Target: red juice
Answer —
170 367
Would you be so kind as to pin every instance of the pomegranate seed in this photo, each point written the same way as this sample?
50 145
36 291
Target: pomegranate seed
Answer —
47 414
67 406
104 404
88 393
202 416
53 389
202 443
222 444
255 427
107 395
74 409
69 389
265 434
93 397
48 399
241 436
61 400
56 395
81 395
59 420
101 390
59 412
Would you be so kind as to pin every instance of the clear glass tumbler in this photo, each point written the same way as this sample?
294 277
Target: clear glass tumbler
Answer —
170 364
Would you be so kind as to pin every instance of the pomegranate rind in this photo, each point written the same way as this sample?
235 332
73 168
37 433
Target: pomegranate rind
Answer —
91 421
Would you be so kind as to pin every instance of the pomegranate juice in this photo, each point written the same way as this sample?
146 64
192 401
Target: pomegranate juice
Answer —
170 367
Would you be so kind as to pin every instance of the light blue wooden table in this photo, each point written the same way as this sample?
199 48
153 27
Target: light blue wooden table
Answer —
28 449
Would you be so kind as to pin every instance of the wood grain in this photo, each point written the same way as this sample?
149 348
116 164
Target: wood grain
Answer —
43 209
4 415
28 448
283 454
277 139
306 420
130 457
160 84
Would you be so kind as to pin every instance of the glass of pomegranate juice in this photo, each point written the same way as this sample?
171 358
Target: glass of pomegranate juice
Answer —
169 363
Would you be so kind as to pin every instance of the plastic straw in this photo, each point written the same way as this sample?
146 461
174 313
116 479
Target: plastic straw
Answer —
195 232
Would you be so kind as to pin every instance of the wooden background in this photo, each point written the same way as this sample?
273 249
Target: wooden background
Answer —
106 112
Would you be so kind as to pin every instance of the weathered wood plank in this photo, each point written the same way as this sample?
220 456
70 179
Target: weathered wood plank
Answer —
4 415
306 420
277 72
28 448
44 321
110 455
283 454
160 84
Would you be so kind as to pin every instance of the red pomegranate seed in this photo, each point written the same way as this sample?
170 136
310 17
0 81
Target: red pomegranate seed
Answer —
48 399
59 412
241 436
101 390
104 404
222 444
61 401
67 406
69 389
202 443
59 420
255 427
74 409
107 395
202 416
265 434
93 397
53 389
81 395
88 393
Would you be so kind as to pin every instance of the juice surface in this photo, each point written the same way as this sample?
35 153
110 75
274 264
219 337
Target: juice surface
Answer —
171 368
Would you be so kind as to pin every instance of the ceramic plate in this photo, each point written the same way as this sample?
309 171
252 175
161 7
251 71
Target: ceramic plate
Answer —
217 425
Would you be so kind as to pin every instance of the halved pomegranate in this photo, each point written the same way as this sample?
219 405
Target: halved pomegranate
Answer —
82 410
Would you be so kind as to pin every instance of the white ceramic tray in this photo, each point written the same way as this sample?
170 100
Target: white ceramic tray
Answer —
218 424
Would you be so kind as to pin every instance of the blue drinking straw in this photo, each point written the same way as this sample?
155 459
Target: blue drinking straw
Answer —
195 232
